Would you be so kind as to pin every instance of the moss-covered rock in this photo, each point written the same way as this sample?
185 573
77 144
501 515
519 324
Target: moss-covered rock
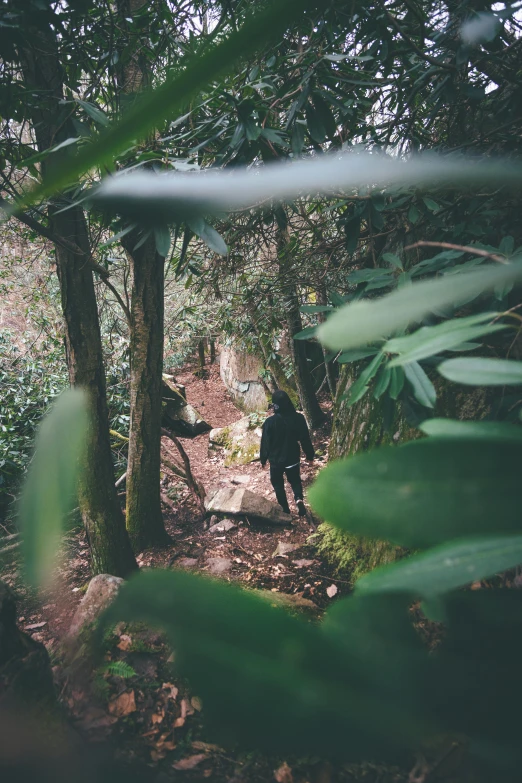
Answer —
241 440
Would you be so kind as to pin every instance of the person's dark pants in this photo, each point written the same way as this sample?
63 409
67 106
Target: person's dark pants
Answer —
277 477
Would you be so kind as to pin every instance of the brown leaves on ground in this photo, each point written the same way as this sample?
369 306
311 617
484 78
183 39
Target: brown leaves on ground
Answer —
284 774
123 704
190 762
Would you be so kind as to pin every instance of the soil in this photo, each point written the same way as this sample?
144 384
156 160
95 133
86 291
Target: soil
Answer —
149 718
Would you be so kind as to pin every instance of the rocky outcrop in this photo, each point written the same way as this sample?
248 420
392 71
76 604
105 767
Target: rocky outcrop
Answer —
101 592
240 441
238 501
178 416
240 372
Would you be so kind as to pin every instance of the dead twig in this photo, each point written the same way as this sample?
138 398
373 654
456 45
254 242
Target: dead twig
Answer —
477 251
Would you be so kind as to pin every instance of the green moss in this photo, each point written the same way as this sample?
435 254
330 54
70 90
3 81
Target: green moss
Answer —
224 438
353 556
242 456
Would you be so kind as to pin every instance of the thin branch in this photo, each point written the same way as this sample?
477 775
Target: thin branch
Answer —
194 485
464 248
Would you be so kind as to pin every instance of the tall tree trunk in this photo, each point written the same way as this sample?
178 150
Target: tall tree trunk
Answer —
311 408
329 367
144 517
212 358
201 358
109 544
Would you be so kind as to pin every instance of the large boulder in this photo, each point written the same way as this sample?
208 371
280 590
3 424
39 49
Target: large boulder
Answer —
178 416
240 372
238 501
240 441
101 592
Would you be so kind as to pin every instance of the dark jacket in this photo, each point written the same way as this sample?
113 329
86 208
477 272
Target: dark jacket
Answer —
282 434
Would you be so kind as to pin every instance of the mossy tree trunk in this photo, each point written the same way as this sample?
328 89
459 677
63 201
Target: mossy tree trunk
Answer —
303 378
144 516
109 544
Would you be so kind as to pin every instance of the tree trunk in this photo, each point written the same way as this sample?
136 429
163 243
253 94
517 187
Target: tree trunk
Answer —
329 367
109 544
278 379
212 351
303 377
111 552
201 359
144 518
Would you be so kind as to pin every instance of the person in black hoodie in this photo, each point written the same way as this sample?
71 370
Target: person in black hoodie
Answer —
282 434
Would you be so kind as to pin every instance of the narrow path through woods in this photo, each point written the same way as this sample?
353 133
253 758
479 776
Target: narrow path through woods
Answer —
152 719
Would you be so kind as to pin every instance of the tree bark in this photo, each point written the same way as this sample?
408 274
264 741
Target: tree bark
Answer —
201 358
144 518
329 367
109 544
303 378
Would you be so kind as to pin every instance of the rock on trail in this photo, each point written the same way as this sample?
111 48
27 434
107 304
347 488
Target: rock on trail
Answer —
239 501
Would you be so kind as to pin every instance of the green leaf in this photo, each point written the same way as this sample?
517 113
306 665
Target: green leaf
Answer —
392 259
424 492
209 235
316 308
432 205
213 192
482 372
481 430
162 240
318 678
382 382
446 567
355 356
93 111
411 342
363 322
507 245
306 334
360 387
413 214
396 382
171 98
48 493
315 125
435 342
423 389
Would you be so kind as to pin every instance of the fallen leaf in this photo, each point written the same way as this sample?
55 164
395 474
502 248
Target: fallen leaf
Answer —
283 548
206 746
331 591
172 690
123 704
284 774
34 626
125 642
303 563
157 717
196 703
186 709
190 762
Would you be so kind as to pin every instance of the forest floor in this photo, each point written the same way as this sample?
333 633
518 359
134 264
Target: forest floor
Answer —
148 717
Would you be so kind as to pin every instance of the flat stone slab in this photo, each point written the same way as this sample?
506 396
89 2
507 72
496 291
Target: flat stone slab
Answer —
222 527
219 565
239 501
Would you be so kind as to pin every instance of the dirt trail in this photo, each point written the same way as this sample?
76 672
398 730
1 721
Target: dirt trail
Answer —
159 725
